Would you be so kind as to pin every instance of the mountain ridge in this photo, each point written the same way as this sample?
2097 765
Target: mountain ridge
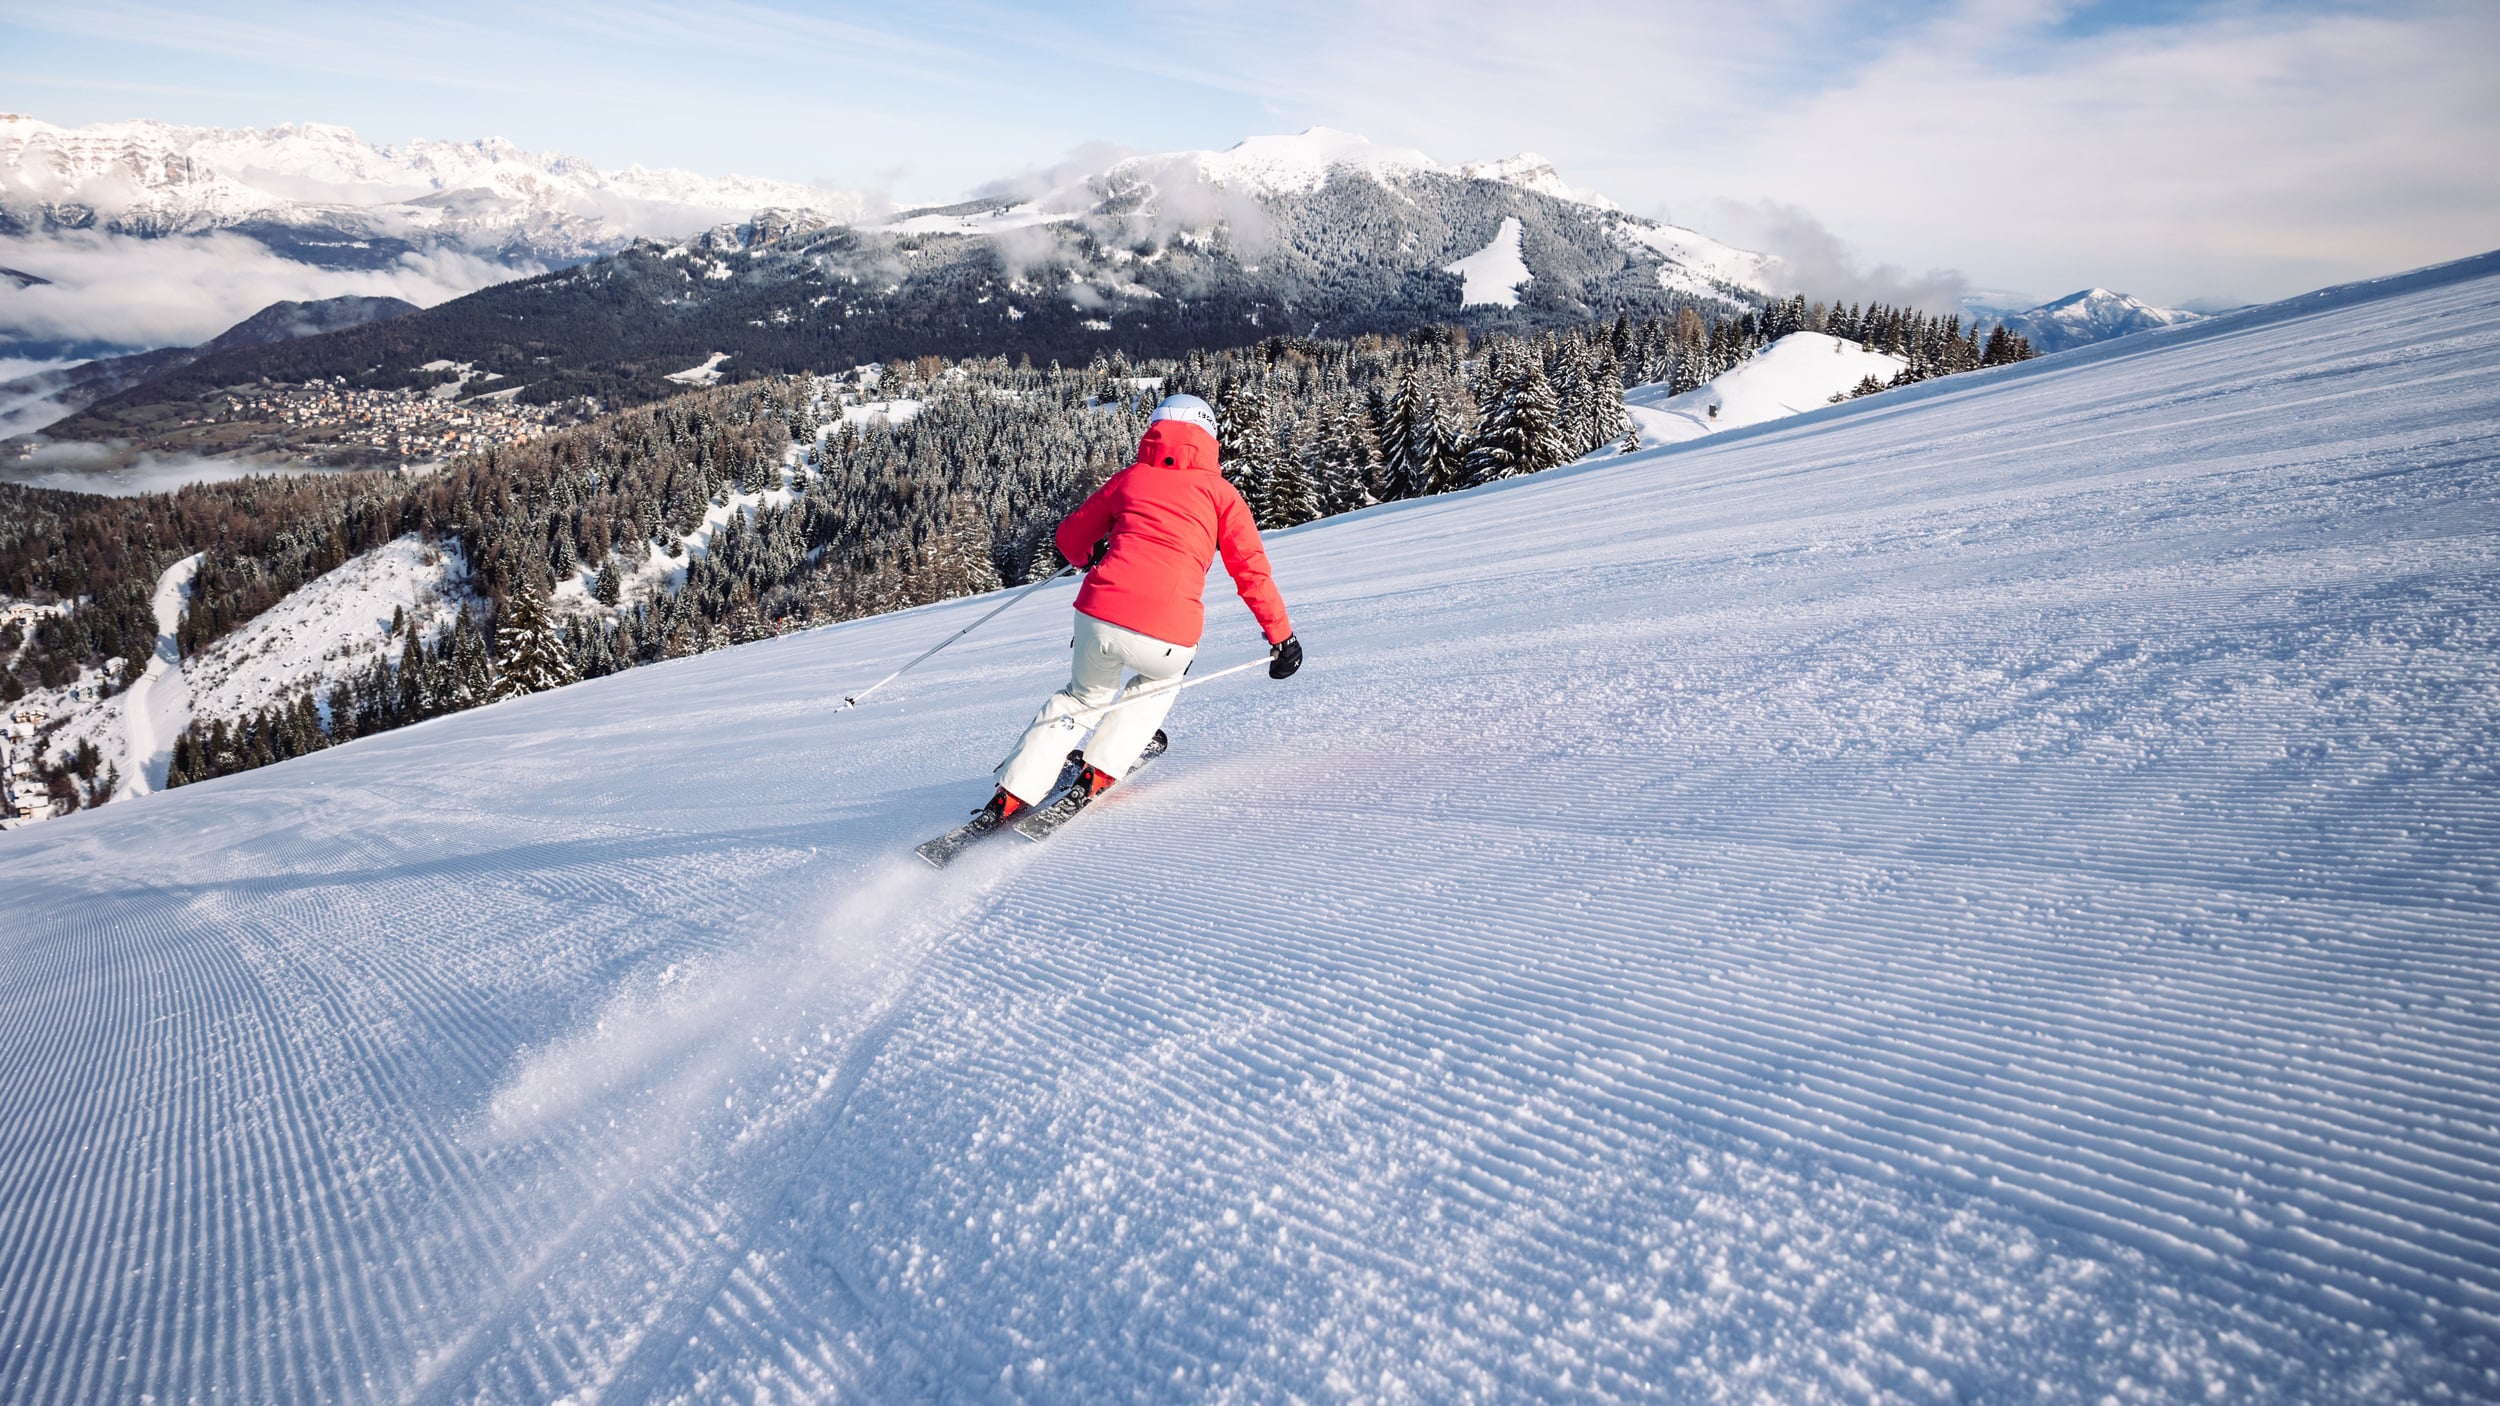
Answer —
2090 315
326 196
1320 233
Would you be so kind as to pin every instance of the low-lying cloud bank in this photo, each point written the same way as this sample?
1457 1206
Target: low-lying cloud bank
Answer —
107 292
114 473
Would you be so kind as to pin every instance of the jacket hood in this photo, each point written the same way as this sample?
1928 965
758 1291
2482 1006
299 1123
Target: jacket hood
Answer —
1177 444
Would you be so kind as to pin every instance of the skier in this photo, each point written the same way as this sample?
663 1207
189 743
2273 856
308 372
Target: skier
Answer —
1146 538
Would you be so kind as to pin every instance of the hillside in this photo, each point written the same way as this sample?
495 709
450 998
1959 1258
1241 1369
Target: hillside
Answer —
29 403
1798 374
1316 234
1984 892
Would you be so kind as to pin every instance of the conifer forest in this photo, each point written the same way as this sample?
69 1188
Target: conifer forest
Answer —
831 497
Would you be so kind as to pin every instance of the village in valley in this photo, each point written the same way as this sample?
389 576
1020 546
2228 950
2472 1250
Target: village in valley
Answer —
396 424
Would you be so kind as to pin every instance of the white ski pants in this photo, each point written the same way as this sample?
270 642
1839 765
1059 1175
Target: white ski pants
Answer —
1103 651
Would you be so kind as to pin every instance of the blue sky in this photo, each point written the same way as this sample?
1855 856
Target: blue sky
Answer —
2180 150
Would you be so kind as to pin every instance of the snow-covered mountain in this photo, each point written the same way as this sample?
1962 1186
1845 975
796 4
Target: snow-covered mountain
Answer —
1318 233
2093 315
1275 166
325 195
1873 907
1333 198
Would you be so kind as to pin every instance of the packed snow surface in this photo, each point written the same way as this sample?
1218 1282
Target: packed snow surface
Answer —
1800 372
153 713
1988 893
1496 272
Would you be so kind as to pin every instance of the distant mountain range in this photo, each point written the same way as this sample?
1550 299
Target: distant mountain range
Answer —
325 196
2078 319
1322 232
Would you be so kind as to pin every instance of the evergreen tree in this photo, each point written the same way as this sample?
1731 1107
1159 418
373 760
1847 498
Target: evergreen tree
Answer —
1520 432
958 561
1252 459
1411 442
1291 497
1345 459
530 656
414 703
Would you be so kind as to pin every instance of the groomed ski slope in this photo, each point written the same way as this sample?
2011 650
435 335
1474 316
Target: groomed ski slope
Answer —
1984 893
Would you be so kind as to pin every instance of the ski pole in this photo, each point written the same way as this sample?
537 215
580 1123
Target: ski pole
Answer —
1157 690
851 700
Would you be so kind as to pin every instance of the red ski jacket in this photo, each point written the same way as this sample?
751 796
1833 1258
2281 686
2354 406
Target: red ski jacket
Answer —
1167 515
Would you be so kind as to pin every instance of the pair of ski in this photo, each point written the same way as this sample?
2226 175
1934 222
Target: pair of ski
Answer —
1066 798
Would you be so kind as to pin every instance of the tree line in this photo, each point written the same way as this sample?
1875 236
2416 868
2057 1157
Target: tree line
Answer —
731 514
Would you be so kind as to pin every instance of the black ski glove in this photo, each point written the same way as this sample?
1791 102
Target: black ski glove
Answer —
1284 657
1101 549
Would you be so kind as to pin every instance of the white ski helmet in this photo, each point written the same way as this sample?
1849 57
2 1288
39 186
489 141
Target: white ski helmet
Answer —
1187 409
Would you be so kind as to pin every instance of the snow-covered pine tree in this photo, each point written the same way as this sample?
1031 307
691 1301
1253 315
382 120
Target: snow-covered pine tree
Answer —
958 562
530 656
1574 391
1345 458
1251 457
1453 421
1291 497
415 701
1608 418
1410 438
1519 432
746 624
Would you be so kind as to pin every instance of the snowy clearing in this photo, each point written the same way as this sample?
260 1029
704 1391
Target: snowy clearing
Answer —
154 712
1989 892
336 626
1800 372
1496 272
706 374
992 221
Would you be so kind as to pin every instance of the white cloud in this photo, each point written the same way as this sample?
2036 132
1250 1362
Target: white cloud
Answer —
13 367
2248 150
94 468
2227 149
127 292
2249 156
1818 263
